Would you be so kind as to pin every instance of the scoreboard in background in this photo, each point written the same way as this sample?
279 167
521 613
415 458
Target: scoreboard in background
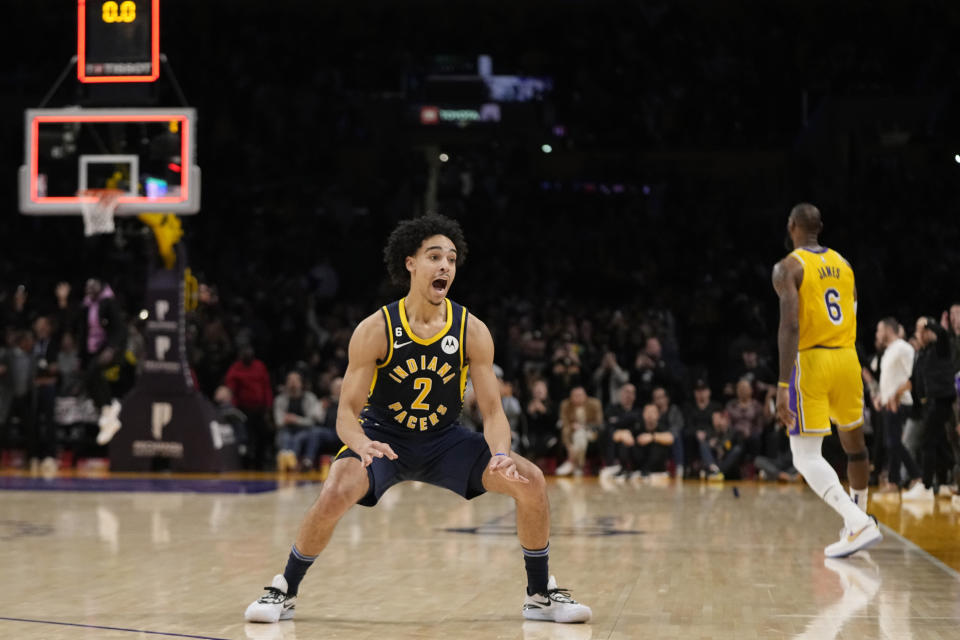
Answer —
118 40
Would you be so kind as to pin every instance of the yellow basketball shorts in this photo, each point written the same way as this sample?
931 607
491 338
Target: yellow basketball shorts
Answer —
825 387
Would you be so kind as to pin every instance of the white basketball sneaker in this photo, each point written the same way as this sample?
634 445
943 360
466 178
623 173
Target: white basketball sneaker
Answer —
918 492
555 605
274 605
109 422
852 541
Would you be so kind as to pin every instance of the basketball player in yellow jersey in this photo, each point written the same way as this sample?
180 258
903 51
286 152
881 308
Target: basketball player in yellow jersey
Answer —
820 378
398 417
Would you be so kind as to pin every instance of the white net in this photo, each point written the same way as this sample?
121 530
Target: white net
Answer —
98 207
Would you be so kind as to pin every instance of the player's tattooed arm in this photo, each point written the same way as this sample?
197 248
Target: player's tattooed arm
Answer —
367 345
786 281
496 429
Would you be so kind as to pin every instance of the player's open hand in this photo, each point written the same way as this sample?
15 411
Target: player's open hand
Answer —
786 417
506 467
373 449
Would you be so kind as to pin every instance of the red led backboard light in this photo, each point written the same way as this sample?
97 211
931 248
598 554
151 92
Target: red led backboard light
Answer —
69 150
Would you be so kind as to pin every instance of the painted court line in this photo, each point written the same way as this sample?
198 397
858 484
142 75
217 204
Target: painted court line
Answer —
95 626
914 546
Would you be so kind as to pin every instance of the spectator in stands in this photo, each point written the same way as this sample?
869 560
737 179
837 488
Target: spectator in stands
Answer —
654 444
6 381
873 420
249 382
470 416
102 337
541 435
213 351
950 320
565 372
724 451
746 416
68 367
46 350
751 368
651 370
672 420
65 315
296 412
581 418
511 408
913 428
893 400
935 364
229 414
698 421
609 378
954 436
326 432
19 314
622 425
22 374
331 403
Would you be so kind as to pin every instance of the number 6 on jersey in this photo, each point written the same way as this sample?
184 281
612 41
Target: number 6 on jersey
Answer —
832 299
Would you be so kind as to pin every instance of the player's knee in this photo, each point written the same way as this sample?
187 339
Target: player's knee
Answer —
535 489
335 499
853 442
537 481
339 494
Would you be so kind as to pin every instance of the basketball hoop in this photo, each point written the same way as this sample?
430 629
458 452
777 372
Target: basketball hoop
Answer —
98 207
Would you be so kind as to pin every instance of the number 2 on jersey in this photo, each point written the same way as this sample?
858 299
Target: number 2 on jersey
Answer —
832 299
424 385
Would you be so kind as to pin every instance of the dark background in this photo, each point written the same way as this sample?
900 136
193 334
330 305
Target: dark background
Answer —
691 128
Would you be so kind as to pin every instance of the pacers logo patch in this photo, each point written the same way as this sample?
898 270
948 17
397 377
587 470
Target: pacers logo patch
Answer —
450 344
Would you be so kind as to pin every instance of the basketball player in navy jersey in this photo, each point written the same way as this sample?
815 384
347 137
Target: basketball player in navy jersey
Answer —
401 397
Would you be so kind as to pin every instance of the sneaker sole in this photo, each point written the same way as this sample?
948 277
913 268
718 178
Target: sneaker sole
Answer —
543 615
286 614
869 542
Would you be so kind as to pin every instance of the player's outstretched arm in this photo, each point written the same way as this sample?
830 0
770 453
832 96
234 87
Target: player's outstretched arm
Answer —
368 343
496 429
786 281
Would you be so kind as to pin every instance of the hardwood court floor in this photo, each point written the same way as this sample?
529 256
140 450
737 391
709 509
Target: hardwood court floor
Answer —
685 561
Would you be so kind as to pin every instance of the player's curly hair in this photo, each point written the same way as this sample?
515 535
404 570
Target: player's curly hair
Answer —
407 237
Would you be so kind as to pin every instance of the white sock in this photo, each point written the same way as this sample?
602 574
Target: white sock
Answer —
859 498
821 477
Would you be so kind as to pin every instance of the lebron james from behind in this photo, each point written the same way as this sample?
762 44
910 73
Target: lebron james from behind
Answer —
820 378
400 400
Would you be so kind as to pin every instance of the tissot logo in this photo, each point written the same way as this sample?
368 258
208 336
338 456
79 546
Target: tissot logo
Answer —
450 344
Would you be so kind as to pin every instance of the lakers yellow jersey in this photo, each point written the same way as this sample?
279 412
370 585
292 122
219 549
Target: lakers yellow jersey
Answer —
828 316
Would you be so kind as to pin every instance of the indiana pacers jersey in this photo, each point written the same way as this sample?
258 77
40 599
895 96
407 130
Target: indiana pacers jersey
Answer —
419 386
825 384
826 308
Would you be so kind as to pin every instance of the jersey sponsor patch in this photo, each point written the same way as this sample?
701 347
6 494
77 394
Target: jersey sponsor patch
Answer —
450 344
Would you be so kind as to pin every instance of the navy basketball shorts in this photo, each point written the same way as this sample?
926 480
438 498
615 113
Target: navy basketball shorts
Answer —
453 458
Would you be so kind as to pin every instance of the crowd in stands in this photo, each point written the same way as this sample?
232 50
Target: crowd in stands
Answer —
600 392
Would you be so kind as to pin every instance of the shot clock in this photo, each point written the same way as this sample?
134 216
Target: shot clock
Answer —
118 40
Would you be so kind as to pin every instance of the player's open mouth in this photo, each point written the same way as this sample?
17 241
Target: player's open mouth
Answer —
440 285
